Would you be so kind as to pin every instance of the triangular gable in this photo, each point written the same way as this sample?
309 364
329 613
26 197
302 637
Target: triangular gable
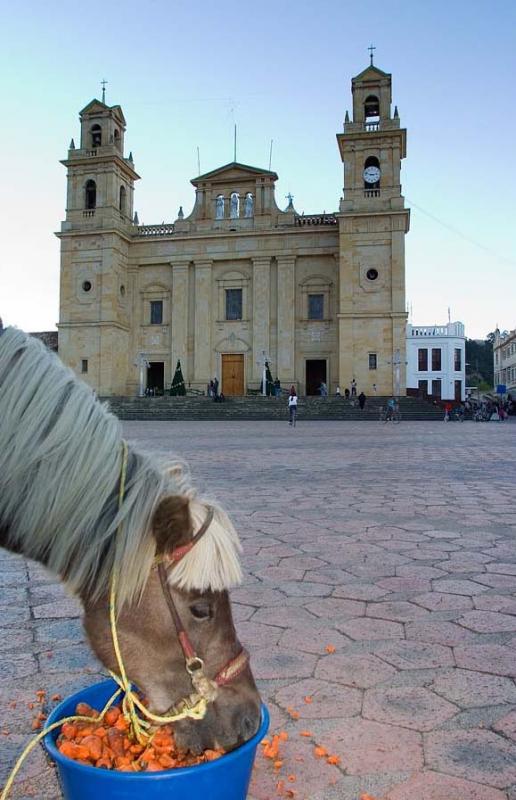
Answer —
371 73
234 171
97 107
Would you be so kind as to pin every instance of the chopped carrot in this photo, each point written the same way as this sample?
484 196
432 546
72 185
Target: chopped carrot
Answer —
306 733
283 736
111 715
330 648
291 778
309 699
320 752
56 698
333 760
278 764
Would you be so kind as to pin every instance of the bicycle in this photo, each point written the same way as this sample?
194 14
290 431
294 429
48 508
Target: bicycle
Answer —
389 414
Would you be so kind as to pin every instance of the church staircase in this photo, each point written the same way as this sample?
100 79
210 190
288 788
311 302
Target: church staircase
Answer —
263 408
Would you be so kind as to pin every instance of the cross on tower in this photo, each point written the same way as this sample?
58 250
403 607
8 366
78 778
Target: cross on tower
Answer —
103 82
371 49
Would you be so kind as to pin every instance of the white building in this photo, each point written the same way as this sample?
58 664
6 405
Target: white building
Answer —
436 360
504 358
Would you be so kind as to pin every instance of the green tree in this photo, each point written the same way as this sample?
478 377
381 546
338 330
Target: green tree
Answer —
177 386
479 361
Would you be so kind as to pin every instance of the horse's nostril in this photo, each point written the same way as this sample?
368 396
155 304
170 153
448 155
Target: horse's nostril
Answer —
248 726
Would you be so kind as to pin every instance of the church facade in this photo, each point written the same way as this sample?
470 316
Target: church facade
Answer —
238 281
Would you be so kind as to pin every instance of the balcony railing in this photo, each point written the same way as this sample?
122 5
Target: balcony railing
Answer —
316 219
89 212
372 126
165 229
371 192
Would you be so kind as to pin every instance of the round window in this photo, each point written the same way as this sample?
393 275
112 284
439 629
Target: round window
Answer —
372 274
86 286
122 290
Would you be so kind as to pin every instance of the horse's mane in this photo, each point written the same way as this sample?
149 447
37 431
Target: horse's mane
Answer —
60 463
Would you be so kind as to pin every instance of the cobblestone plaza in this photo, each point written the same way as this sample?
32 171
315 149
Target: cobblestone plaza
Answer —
392 547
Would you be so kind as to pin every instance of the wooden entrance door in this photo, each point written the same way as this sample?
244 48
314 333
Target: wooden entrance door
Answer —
233 374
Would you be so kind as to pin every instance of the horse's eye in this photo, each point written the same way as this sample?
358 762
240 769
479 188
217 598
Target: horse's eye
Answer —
201 611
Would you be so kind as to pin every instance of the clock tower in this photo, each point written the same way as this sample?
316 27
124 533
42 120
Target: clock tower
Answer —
373 222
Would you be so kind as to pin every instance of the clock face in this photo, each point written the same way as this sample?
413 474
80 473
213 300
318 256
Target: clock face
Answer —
372 174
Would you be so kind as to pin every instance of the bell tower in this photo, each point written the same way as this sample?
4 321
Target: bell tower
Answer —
95 285
373 222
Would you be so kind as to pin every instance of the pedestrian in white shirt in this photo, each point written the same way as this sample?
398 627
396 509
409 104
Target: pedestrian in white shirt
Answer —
292 406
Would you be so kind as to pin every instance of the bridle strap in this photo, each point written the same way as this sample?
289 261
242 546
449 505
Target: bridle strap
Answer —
236 665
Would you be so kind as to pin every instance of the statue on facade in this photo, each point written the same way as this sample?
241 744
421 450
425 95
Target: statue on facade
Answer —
234 206
248 205
219 207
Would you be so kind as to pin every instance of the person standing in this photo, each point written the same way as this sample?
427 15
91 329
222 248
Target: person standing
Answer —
277 387
292 407
361 400
353 388
374 389
215 389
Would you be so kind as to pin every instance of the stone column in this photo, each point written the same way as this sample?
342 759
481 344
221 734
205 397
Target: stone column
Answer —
286 319
203 322
261 312
179 322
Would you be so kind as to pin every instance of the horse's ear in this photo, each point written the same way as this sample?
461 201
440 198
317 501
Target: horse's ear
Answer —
172 523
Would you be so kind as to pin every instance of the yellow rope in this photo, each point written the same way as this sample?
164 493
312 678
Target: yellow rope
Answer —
130 700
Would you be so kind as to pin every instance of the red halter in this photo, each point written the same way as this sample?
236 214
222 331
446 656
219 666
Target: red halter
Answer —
236 665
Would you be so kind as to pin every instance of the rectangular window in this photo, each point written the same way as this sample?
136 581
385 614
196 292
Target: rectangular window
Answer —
315 306
457 360
436 388
156 312
422 359
436 359
423 386
84 365
233 303
372 360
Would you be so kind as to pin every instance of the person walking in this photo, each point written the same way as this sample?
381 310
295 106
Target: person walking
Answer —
292 407
361 400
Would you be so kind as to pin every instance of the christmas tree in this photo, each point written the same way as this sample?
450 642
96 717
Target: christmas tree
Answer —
178 382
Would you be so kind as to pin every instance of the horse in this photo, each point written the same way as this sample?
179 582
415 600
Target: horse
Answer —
63 503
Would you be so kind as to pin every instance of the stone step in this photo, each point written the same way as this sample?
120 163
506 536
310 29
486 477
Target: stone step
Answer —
258 407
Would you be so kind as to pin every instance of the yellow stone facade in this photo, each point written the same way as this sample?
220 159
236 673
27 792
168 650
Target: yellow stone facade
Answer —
321 296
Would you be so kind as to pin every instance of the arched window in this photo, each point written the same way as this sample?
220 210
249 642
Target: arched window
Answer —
96 136
121 203
219 207
117 138
372 176
372 113
90 191
234 208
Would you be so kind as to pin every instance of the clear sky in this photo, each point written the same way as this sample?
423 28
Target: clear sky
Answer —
183 72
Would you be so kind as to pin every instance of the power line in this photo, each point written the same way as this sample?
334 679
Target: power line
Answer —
461 235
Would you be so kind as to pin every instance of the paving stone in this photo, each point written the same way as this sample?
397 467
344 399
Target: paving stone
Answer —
470 689
336 609
360 591
417 655
371 629
488 621
395 611
506 725
439 632
368 747
438 601
433 786
479 756
361 670
458 587
495 602
274 662
493 658
312 640
415 708
327 699
67 607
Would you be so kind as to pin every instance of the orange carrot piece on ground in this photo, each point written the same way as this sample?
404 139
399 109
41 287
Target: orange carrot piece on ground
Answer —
309 699
330 648
320 752
335 760
306 733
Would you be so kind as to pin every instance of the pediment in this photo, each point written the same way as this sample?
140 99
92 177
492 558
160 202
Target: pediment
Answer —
229 173
370 73
94 107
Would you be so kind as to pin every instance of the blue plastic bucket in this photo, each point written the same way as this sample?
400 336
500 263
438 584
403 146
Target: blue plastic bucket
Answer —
226 778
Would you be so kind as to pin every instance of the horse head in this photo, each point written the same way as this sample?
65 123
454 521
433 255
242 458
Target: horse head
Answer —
197 588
